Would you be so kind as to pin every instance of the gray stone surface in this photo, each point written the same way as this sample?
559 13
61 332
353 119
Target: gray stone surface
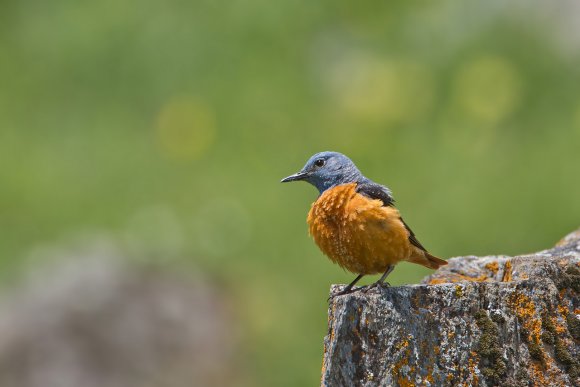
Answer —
480 321
93 318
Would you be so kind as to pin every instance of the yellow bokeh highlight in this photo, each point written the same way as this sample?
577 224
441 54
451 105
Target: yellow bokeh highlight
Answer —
488 89
384 91
185 128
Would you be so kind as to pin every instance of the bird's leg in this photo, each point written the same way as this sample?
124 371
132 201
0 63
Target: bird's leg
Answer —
381 282
348 287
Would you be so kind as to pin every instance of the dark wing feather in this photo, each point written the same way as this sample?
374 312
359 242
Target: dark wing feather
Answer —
377 191
412 238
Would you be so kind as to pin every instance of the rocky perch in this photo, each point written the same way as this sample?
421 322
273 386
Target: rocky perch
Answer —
479 321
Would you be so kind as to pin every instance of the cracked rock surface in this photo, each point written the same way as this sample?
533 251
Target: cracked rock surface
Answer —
479 321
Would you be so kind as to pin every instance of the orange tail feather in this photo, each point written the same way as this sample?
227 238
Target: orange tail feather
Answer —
435 263
423 258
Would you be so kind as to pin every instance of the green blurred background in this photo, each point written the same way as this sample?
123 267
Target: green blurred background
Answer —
169 125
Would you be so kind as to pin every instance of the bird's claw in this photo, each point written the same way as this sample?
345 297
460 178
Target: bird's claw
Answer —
376 285
345 290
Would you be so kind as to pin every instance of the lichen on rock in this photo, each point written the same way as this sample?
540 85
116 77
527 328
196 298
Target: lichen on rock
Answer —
480 321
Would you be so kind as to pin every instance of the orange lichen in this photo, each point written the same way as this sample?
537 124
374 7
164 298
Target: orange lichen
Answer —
538 374
403 380
493 267
397 369
507 272
563 310
323 369
427 352
560 328
542 372
402 344
437 281
467 376
473 361
429 376
330 316
526 311
454 277
545 376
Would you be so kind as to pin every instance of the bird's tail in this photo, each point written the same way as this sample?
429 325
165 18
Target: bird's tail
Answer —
434 262
423 258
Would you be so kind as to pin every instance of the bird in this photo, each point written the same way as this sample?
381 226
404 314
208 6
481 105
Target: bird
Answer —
355 223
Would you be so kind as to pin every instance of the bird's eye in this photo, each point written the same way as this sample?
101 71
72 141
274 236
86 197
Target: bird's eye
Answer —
319 163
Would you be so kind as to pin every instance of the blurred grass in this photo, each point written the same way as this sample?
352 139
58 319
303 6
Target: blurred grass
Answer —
170 125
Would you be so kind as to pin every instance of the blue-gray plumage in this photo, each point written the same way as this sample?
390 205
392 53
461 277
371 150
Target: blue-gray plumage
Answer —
325 170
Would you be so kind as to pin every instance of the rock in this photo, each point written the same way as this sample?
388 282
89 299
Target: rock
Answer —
479 321
97 319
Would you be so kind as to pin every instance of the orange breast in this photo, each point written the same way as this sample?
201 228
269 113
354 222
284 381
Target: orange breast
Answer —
358 233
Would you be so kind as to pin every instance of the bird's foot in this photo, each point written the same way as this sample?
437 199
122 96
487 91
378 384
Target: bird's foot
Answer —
377 284
345 290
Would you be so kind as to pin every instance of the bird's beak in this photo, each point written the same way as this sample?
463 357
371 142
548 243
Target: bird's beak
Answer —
295 177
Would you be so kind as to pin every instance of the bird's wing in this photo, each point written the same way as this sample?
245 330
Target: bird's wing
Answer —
412 238
377 191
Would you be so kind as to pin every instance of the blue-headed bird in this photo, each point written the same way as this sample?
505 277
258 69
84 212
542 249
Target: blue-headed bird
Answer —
355 223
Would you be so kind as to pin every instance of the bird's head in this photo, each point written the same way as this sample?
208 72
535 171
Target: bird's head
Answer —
325 170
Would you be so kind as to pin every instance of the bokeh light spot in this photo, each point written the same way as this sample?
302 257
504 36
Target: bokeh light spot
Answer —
185 128
385 91
488 88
